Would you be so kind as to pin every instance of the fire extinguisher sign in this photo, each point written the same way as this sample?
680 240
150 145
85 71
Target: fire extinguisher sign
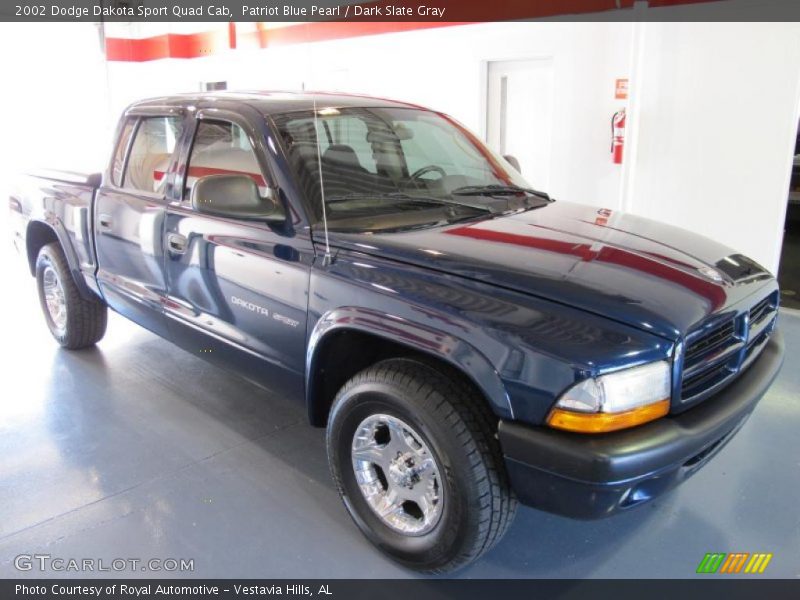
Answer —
621 89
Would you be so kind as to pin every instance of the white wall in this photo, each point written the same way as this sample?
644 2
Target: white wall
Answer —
54 103
715 113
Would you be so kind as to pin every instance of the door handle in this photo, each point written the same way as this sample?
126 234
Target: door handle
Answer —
177 243
105 221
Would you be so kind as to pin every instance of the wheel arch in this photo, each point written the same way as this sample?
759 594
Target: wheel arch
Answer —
40 233
346 340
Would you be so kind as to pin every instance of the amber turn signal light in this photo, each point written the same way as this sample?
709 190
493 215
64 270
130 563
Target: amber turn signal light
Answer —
604 422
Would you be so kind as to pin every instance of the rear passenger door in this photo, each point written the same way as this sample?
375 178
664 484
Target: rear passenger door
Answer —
237 289
129 216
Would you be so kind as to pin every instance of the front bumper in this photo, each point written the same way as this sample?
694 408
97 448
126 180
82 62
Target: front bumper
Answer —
594 476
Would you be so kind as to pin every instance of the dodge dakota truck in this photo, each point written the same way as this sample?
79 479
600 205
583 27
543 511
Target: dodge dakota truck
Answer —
468 342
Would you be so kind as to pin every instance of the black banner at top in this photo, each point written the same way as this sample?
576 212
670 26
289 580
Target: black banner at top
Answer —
396 10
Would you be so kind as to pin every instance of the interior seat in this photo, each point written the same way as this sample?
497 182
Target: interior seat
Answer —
344 173
146 171
342 155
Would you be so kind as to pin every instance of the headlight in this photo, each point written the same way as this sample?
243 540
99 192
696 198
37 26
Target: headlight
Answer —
614 401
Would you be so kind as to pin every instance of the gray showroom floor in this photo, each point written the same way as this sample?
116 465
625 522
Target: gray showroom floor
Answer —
136 449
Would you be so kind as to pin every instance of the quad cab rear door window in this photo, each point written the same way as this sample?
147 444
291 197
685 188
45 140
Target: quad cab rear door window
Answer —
151 152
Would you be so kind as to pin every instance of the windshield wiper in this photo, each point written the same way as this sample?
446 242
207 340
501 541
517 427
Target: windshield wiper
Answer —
404 196
498 190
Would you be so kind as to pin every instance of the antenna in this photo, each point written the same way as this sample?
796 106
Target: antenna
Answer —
327 259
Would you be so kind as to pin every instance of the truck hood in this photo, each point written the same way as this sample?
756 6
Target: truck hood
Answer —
637 271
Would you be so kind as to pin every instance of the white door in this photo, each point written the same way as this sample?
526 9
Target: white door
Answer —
520 113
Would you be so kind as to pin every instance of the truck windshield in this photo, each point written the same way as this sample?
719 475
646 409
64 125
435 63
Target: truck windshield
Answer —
387 169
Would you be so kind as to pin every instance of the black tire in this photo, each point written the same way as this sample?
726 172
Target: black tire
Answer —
85 322
456 424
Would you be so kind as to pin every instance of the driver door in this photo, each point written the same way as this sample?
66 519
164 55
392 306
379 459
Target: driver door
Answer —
237 289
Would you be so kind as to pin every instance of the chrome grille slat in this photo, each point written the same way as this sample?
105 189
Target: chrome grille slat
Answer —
718 372
715 354
710 342
760 311
710 361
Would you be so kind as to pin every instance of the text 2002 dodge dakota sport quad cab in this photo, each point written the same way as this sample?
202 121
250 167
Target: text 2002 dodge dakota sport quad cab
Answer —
468 342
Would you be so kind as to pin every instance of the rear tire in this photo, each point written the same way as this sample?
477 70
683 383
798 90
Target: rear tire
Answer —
410 425
74 321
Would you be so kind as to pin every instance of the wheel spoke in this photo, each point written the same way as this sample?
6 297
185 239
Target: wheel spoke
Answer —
390 505
397 443
370 452
424 488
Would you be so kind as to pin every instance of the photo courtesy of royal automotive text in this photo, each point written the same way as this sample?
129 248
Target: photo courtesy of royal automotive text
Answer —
423 299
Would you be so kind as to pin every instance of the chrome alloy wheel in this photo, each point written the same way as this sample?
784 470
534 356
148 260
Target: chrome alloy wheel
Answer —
397 474
54 298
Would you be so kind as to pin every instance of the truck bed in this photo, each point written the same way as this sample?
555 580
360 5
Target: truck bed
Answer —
62 199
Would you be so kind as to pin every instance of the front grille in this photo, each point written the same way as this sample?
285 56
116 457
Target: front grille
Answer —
708 356
705 378
755 346
719 337
761 311
718 350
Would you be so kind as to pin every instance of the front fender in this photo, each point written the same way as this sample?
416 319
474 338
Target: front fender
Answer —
422 338
520 350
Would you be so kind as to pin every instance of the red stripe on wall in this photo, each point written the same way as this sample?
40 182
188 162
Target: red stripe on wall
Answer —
335 30
195 45
232 35
171 45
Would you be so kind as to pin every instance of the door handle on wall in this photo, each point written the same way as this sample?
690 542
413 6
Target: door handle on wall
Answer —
105 221
176 243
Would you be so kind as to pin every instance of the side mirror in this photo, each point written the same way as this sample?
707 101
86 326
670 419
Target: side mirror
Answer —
512 160
234 196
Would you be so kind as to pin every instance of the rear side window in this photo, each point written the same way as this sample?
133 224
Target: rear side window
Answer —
119 155
151 152
222 148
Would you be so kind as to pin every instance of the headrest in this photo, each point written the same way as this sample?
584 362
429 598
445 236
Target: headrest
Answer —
341 154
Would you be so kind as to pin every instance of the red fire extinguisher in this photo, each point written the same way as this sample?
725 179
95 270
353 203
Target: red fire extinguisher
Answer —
618 135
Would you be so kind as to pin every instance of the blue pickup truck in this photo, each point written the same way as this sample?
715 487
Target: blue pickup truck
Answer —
468 342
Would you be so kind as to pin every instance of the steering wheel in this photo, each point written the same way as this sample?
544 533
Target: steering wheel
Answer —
415 176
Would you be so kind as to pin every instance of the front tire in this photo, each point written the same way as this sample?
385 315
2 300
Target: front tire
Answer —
74 321
414 456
